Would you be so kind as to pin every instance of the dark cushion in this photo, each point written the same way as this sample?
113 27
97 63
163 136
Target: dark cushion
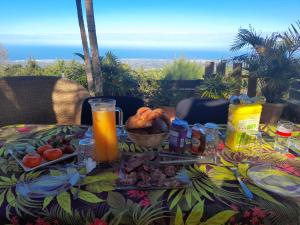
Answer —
129 106
195 110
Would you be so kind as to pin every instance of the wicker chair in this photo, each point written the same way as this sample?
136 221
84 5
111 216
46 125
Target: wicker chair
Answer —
40 100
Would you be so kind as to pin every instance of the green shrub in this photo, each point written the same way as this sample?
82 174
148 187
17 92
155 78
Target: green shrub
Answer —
183 69
217 86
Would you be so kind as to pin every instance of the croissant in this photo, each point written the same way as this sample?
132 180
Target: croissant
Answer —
146 118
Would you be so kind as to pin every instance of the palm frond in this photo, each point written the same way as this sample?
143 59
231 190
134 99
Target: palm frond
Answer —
77 217
280 214
291 38
79 55
246 37
147 215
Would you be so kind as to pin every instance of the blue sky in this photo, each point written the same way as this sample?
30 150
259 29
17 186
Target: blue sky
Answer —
144 23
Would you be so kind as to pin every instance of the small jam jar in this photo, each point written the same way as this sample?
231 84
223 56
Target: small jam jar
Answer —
177 136
198 139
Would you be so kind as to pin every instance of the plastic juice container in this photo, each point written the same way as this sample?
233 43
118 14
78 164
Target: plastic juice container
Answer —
241 119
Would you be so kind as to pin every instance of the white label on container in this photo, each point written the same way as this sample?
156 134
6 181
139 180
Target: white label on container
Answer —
174 133
251 124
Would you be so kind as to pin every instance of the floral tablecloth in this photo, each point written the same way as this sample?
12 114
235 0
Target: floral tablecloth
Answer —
213 197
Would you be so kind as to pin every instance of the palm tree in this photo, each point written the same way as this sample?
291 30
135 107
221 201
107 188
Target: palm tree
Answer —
96 67
87 60
271 58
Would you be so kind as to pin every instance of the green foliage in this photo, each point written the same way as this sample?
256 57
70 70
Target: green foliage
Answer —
272 58
217 86
128 212
196 215
183 69
118 79
64 201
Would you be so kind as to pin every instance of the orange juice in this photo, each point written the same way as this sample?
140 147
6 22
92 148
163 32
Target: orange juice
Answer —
105 135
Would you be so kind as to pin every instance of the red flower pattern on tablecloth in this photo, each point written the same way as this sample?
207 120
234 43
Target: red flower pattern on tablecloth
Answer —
99 222
232 220
140 196
234 207
247 214
41 221
135 194
23 129
145 202
258 212
56 222
254 220
14 220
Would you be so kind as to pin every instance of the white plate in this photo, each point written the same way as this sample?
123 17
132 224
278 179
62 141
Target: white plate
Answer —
273 179
44 162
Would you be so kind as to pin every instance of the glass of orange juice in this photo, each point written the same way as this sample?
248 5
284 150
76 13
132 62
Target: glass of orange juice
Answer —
104 129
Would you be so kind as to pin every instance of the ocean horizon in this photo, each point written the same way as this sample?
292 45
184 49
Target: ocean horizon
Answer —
49 52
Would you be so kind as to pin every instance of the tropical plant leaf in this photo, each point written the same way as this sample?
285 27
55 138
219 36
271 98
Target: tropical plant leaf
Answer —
286 213
147 215
47 201
116 200
101 186
7 180
155 195
220 218
257 191
55 173
77 218
196 195
89 197
64 201
176 199
108 176
2 195
10 198
243 168
196 214
219 173
172 193
179 217
27 206
199 187
2 150
226 163
188 197
202 168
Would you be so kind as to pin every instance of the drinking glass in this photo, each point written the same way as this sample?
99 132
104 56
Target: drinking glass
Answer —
283 133
104 129
85 151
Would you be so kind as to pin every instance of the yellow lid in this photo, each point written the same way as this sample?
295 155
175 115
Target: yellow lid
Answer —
245 109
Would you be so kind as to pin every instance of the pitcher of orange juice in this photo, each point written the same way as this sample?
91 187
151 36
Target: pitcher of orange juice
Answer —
104 129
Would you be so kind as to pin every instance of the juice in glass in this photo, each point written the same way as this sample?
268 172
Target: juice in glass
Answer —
104 128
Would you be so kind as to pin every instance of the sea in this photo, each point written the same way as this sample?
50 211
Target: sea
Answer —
138 56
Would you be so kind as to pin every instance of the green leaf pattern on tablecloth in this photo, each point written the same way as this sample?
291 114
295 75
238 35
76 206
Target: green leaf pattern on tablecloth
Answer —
210 184
220 218
196 214
47 201
64 200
